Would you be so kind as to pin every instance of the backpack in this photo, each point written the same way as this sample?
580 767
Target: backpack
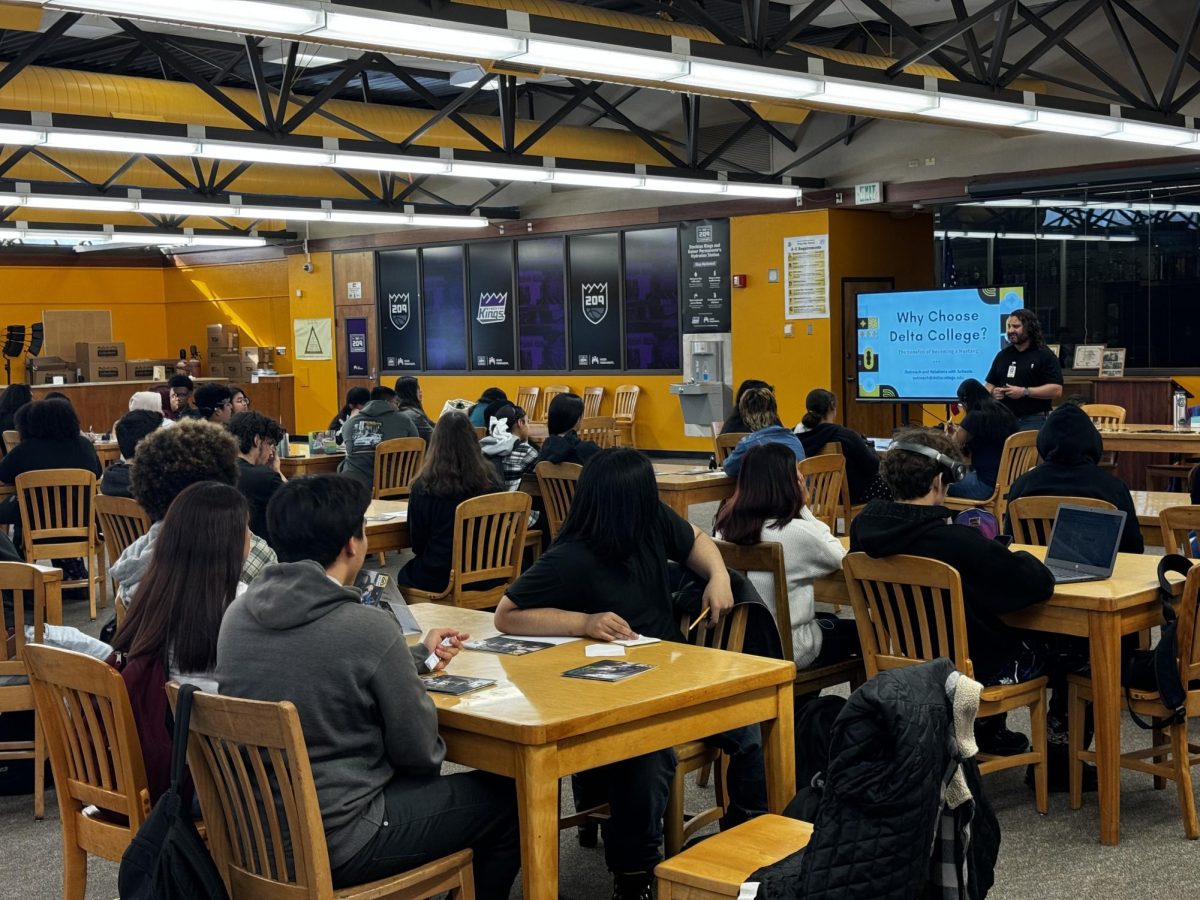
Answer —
814 733
981 520
1157 669
167 859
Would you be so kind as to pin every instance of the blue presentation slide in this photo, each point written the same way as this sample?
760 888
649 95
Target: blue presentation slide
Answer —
920 345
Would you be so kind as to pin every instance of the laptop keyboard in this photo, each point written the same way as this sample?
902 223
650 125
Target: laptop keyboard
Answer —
1066 576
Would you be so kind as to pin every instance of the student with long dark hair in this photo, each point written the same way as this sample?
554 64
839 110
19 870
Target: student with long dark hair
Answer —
984 429
819 427
454 470
14 397
408 397
50 439
606 577
356 399
735 424
770 504
171 629
563 444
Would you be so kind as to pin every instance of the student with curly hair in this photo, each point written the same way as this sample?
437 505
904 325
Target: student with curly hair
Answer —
259 476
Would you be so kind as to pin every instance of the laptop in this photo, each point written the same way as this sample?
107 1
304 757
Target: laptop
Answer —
1083 544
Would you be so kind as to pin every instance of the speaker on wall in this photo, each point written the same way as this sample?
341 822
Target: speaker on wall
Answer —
14 341
36 338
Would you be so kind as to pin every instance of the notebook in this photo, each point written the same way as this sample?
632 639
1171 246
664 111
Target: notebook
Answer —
1083 544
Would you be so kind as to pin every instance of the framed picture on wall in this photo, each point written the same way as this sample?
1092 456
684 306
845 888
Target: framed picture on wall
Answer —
1088 356
1056 349
1113 363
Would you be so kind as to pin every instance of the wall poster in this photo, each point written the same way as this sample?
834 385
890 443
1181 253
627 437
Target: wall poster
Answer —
443 290
707 306
806 277
399 311
594 296
490 303
541 279
357 359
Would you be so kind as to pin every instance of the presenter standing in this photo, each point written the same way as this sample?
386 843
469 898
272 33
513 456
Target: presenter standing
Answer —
1025 376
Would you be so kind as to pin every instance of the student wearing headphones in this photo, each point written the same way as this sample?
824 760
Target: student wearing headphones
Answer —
919 467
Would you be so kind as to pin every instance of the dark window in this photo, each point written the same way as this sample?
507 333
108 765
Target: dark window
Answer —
541 318
445 320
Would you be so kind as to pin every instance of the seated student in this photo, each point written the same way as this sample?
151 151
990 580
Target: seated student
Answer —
454 470
1070 448
735 424
239 399
301 633
356 399
760 414
378 421
995 580
562 444
408 401
818 428
171 632
50 439
984 429
166 462
507 447
181 387
478 413
258 464
148 401
14 397
214 402
130 429
606 578
770 505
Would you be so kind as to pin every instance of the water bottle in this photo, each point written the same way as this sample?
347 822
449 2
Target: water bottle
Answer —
706 371
282 449
1180 419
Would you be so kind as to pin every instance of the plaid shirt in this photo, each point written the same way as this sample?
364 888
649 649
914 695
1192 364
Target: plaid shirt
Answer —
261 556
522 459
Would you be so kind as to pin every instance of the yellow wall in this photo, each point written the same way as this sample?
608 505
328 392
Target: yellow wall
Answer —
316 380
252 296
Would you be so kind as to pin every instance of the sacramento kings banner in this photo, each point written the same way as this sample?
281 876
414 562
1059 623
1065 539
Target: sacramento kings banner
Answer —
594 298
399 306
491 305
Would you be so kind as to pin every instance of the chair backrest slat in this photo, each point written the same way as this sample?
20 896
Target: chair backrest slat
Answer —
527 399
1018 457
824 475
56 512
489 539
766 556
599 429
723 444
625 404
592 398
1177 524
1105 415
548 394
1188 633
397 463
1032 518
556 484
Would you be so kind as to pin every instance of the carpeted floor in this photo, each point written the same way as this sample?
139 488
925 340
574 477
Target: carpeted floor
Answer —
1050 856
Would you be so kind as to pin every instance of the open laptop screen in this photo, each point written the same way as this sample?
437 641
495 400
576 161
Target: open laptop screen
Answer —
1085 536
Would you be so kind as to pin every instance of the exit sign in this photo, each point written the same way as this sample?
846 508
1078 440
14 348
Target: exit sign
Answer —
865 194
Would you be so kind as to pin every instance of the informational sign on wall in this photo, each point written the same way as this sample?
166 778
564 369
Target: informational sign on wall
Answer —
806 277
314 338
358 361
492 307
399 317
705 253
594 298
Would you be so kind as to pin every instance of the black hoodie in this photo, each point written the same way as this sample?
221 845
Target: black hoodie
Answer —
862 465
995 580
1071 447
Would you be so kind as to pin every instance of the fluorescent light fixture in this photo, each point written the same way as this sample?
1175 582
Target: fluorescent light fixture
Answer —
683 185
417 37
1031 236
255 153
434 221
179 208
600 61
215 240
596 179
866 96
981 112
52 237
1072 123
1158 135
274 212
741 80
763 191
499 172
249 15
376 163
369 218
82 204
308 55
112 143
25 137
1013 201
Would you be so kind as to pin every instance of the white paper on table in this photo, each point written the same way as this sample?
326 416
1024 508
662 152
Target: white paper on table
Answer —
386 516
542 638
603 650
638 641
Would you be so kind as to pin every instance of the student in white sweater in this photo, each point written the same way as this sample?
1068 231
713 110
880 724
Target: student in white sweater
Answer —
770 504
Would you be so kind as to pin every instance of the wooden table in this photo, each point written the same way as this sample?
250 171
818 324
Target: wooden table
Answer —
679 486
1149 504
1151 439
537 727
299 462
387 534
1101 611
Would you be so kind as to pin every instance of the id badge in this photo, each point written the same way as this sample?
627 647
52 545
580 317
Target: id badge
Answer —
1012 370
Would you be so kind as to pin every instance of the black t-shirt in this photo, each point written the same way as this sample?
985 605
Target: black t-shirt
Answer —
37 454
258 485
985 452
569 576
1031 367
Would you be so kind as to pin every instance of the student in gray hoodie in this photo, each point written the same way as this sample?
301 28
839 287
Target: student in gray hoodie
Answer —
380 420
301 633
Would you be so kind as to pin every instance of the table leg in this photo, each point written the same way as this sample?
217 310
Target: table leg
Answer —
537 805
779 752
678 501
1105 642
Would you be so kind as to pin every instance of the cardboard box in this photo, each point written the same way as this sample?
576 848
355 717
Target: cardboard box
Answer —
223 337
144 369
103 371
44 369
100 352
258 357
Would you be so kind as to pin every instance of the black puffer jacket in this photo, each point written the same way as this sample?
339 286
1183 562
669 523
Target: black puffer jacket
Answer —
892 753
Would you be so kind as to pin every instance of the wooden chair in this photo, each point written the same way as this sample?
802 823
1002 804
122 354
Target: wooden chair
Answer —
122 521
107 454
1033 517
57 522
1018 457
723 444
625 411
95 755
1171 758
909 609
849 510
397 463
722 863
768 557
551 391
11 438
593 397
480 432
600 429
527 399
489 536
556 483
272 845
42 585
825 475
1177 522
1106 415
